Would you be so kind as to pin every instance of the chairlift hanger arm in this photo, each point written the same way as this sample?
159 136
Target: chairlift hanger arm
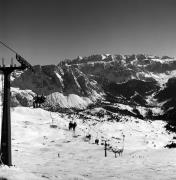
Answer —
11 69
20 59
24 63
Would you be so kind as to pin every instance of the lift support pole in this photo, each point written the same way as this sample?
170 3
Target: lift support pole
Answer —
5 149
6 157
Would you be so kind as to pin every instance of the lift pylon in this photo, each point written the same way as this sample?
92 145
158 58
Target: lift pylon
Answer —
5 149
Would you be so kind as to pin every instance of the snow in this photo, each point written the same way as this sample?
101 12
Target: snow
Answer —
35 149
60 78
163 61
26 97
161 78
142 110
124 107
16 74
36 146
104 56
18 90
94 96
137 132
13 173
70 101
75 79
155 110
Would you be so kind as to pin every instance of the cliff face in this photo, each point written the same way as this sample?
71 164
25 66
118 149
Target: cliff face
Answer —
62 83
125 78
51 78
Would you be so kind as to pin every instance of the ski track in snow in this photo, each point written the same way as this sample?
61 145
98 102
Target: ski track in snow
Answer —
35 148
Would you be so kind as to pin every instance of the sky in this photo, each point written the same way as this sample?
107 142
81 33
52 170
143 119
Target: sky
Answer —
48 31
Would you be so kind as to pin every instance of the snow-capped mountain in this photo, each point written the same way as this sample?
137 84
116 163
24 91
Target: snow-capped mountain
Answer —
63 85
132 78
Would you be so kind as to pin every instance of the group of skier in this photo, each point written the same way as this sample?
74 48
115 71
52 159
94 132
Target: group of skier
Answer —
38 101
72 126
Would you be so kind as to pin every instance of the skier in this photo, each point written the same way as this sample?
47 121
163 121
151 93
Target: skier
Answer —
74 126
70 125
97 141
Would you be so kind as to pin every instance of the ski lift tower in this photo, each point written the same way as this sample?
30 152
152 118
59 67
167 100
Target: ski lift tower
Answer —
5 149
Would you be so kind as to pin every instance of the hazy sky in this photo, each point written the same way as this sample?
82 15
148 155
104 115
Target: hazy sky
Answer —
47 31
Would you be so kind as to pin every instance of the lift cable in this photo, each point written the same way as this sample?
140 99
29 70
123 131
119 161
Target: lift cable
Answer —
19 58
8 47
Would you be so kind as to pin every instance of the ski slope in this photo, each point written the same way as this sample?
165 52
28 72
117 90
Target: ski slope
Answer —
41 152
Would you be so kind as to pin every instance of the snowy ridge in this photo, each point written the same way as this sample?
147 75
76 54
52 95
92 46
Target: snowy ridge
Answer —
161 78
21 97
70 101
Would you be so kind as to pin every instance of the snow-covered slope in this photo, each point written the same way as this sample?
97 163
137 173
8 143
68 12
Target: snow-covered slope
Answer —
70 101
116 95
41 152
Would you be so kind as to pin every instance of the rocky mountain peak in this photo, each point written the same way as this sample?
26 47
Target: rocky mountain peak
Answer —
116 78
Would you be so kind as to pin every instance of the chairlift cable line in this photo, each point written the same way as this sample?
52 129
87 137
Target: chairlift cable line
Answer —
8 47
5 45
20 59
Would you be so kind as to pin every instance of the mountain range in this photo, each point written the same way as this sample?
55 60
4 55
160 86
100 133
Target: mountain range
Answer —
135 81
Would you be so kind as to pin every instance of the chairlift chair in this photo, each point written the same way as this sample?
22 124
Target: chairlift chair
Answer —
53 125
38 100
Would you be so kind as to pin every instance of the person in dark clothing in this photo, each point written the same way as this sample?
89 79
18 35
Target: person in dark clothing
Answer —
74 126
88 137
38 101
96 141
70 125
